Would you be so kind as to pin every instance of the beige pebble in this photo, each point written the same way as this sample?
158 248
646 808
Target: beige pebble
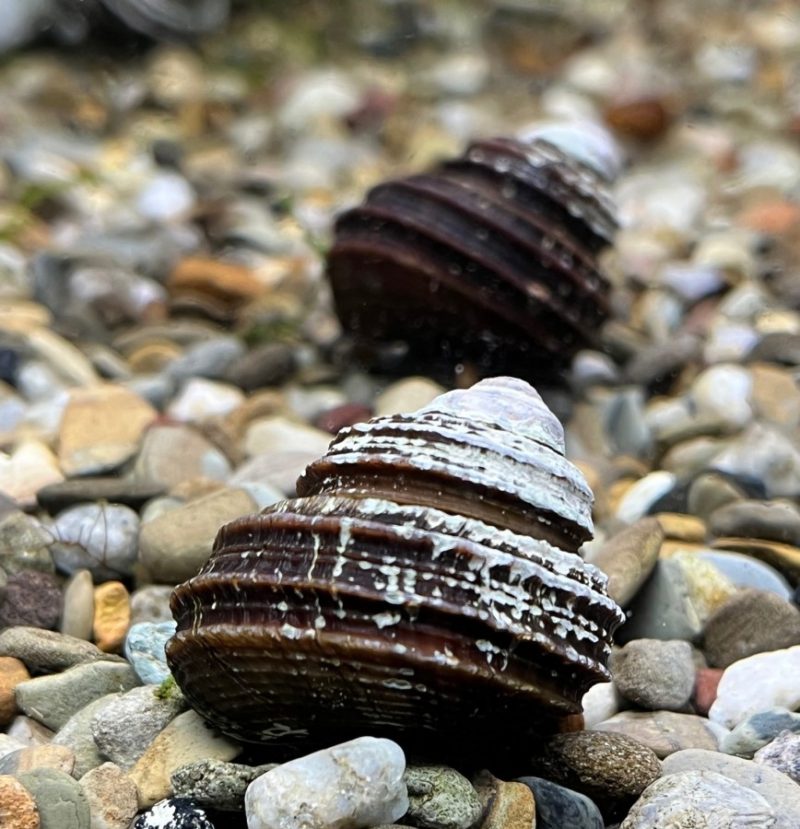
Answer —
17 806
184 740
50 756
681 527
112 615
112 797
12 672
101 428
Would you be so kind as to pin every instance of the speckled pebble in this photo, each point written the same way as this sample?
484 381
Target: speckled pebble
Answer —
440 798
216 783
144 649
174 813
111 796
654 674
31 598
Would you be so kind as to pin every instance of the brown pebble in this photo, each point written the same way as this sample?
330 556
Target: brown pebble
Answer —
682 527
48 756
12 672
32 598
506 805
112 796
644 119
610 769
112 615
17 806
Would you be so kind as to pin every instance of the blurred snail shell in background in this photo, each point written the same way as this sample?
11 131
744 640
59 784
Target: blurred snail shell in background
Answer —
490 260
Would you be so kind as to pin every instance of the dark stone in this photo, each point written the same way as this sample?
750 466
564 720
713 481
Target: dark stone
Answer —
134 494
778 347
266 365
174 813
557 807
610 769
32 598
772 520
658 366
676 500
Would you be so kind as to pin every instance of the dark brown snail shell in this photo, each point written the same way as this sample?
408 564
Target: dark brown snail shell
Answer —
425 583
490 260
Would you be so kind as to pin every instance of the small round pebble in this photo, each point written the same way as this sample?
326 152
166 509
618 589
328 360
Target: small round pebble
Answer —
782 754
440 798
610 769
558 807
750 622
174 813
653 674
144 649
32 598
102 538
759 730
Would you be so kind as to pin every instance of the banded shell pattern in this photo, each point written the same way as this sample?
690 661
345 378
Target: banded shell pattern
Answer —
425 582
491 259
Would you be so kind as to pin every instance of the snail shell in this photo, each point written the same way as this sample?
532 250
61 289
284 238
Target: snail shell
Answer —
425 582
490 259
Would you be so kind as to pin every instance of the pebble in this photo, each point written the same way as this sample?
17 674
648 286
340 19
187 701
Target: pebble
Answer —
772 520
17 805
776 397
144 650
202 399
184 739
265 365
59 799
782 754
640 497
406 395
558 807
45 651
776 788
76 734
710 491
166 197
628 558
654 674
440 798
111 795
102 538
279 470
699 799
215 783
706 682
61 758
101 428
757 683
176 544
151 604
130 493
751 622
745 571
174 813
663 607
52 700
112 615
665 731
77 615
29 732
610 769
24 544
125 727
348 786
505 805
599 703
208 360
28 468
12 672
172 454
758 730
32 598
276 432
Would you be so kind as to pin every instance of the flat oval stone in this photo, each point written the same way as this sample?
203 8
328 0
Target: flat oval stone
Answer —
665 732
699 799
353 785
60 799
